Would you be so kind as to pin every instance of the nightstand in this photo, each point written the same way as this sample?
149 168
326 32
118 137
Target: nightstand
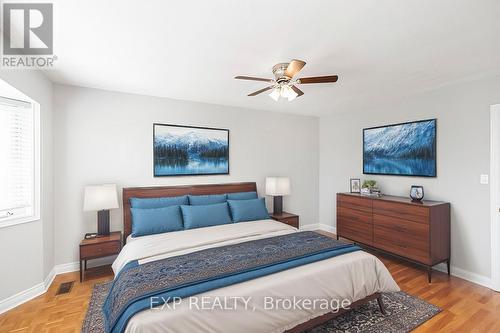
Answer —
287 218
99 247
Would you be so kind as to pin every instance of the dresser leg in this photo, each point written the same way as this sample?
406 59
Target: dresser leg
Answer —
337 237
448 266
429 274
81 271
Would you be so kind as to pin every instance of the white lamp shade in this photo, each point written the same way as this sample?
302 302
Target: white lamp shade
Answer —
100 197
276 186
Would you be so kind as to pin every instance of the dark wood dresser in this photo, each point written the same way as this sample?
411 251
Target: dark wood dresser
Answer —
418 232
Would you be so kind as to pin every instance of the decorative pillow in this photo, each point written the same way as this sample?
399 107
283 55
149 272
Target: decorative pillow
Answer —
205 215
242 196
150 221
207 199
248 210
158 202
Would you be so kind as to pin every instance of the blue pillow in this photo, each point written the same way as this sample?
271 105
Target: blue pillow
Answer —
150 221
205 215
242 196
248 210
158 202
207 199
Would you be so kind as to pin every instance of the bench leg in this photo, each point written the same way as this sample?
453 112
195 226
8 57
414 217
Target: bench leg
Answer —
381 304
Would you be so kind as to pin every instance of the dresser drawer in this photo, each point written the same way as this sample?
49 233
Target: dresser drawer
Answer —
354 215
402 211
361 235
354 202
355 230
407 239
99 250
409 230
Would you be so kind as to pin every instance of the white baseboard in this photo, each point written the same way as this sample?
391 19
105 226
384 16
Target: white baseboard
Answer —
319 226
21 297
38 289
28 294
49 278
465 275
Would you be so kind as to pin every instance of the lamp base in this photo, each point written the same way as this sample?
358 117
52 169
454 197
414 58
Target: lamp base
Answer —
278 204
103 223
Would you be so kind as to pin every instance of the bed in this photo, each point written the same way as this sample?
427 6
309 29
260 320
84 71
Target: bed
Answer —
354 276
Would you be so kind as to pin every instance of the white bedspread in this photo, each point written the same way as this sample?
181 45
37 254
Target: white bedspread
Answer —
351 276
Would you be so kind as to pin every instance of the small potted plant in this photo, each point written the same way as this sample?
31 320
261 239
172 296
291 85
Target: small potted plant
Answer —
369 187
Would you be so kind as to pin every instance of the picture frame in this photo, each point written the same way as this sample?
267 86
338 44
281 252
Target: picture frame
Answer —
355 185
181 150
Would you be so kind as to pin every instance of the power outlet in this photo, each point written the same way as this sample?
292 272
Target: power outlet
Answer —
484 179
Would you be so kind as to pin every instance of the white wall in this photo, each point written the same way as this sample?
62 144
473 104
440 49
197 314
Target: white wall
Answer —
462 113
106 137
27 250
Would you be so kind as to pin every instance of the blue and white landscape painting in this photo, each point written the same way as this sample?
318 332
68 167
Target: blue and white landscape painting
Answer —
404 149
182 150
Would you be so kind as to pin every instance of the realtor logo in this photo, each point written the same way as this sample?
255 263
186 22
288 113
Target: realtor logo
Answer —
27 29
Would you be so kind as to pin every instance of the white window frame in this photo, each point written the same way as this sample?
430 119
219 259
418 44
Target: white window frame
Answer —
8 222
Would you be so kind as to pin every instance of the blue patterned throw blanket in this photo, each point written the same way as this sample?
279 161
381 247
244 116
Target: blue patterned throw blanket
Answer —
194 273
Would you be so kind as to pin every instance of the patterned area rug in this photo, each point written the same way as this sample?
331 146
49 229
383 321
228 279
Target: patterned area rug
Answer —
403 313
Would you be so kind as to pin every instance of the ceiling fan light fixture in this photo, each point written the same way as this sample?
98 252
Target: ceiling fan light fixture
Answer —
285 82
275 94
288 93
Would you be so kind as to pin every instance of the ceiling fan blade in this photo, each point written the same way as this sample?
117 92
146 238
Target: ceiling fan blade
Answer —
297 91
318 79
239 77
261 91
294 67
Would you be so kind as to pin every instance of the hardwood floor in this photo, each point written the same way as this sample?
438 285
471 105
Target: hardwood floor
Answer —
467 307
51 313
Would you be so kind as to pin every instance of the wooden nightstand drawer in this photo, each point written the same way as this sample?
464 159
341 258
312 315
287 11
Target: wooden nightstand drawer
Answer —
293 221
99 250
287 218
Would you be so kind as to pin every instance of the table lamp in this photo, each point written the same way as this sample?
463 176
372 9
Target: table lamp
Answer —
101 198
278 187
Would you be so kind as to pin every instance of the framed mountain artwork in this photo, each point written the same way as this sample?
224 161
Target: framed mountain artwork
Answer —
406 149
187 150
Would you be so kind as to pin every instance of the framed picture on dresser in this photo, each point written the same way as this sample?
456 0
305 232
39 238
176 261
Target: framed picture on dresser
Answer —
188 150
355 185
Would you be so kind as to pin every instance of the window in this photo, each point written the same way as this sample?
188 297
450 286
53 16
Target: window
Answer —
19 162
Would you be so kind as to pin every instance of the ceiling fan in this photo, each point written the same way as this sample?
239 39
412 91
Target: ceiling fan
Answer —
284 84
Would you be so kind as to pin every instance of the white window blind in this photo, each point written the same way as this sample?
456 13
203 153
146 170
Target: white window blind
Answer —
17 160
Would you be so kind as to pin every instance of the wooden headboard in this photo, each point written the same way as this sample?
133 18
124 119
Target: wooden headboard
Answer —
173 191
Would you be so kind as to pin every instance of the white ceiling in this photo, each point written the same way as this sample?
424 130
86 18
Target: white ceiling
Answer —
191 50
